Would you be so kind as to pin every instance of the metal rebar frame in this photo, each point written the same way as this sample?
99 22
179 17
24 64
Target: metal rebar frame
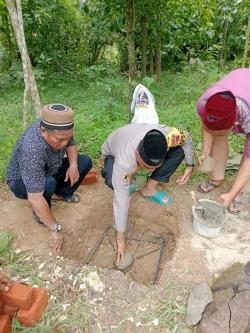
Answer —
156 239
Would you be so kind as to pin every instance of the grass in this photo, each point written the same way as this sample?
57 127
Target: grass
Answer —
101 106
68 310
172 314
169 310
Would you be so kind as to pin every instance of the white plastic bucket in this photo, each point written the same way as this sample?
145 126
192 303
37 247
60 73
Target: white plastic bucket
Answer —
202 226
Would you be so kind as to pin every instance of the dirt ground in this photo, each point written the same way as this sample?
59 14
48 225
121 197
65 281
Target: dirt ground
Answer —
187 258
85 222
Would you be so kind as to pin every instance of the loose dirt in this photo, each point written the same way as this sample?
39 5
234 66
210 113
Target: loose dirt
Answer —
187 259
84 222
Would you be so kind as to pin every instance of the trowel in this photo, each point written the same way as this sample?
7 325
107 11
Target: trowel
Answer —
197 205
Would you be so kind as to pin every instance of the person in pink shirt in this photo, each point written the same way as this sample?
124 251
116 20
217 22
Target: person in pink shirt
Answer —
225 108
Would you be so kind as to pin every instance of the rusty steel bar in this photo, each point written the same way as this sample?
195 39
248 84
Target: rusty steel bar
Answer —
96 246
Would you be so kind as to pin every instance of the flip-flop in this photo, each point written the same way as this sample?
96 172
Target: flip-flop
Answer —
132 188
158 198
74 198
236 204
209 185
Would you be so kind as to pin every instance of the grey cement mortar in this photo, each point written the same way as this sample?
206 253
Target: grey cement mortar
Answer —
212 214
127 264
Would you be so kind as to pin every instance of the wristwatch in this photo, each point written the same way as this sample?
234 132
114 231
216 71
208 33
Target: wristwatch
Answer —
57 227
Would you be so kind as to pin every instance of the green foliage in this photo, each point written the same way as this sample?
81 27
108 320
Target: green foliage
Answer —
147 81
54 33
100 24
231 22
95 72
67 36
101 106
7 253
11 125
7 44
4 241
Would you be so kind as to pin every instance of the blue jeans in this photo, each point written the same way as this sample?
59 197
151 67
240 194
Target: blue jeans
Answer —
55 184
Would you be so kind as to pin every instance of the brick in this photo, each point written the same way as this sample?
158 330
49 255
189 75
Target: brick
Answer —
1 308
18 295
5 324
90 178
10 310
32 316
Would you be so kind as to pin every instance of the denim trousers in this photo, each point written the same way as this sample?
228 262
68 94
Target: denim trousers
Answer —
55 184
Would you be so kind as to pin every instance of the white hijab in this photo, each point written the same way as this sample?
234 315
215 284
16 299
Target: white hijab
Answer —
143 106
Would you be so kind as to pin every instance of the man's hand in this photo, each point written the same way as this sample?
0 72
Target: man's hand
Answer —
187 174
120 243
202 157
57 241
72 174
4 283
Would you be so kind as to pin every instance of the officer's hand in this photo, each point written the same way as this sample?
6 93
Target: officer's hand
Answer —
185 177
120 243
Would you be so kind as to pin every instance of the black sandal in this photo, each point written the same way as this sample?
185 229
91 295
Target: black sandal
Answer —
74 198
209 185
236 204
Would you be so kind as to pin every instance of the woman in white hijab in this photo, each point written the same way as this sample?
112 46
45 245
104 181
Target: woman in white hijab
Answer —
143 106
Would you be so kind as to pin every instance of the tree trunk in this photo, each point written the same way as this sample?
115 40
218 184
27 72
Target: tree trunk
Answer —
130 17
246 43
223 46
15 13
7 42
151 61
144 46
123 51
26 105
158 62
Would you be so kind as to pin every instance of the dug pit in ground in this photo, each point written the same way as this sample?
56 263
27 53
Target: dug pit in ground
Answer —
148 226
83 224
